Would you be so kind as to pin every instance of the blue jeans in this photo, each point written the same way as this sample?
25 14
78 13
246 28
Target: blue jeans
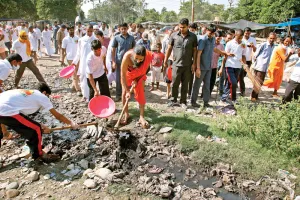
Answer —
231 83
205 77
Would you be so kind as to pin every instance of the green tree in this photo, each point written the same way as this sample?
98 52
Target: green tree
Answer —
168 16
24 9
57 10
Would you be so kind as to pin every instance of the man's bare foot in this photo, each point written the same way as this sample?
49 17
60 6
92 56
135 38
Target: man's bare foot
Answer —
144 123
10 136
125 120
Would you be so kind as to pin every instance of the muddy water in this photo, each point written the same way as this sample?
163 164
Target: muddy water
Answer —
179 171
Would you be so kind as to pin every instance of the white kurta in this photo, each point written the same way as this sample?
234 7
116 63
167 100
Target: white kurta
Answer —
33 38
84 48
111 76
46 35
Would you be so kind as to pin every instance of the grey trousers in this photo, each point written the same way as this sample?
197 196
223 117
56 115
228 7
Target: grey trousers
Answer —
180 75
118 81
30 65
205 77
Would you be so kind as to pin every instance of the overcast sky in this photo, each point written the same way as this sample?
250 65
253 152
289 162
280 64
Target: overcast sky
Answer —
159 4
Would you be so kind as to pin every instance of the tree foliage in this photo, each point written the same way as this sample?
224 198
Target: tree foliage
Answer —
117 11
24 9
65 10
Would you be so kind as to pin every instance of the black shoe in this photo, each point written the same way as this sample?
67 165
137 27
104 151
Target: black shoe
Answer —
173 104
194 104
242 94
207 105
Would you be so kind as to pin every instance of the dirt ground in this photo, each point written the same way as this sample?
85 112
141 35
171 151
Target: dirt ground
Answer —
14 169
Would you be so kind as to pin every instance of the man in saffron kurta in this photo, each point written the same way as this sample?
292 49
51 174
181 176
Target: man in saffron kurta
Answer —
134 68
276 67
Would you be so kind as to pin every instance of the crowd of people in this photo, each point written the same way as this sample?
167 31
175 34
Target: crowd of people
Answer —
125 55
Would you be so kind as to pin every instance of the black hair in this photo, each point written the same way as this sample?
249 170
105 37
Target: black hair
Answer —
140 50
184 21
90 26
239 31
124 25
96 44
78 22
63 26
14 56
30 27
218 34
211 28
158 44
272 33
193 25
55 21
100 33
231 31
43 87
70 27
247 29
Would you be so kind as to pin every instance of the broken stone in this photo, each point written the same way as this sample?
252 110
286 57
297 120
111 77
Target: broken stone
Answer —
3 185
103 173
12 185
165 191
218 184
226 179
247 184
90 183
11 193
71 166
200 138
65 182
210 191
47 177
88 171
165 130
84 164
33 176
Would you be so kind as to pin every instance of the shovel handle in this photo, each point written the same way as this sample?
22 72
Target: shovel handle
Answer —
122 113
69 127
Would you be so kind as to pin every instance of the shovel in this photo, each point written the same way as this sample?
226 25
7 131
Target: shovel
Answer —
92 129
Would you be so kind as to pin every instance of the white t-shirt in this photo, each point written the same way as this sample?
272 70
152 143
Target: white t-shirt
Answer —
6 35
295 76
20 48
27 102
5 68
95 64
238 50
70 44
105 31
33 38
38 32
14 35
248 54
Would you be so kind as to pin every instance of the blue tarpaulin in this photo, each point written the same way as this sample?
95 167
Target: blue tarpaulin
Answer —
292 22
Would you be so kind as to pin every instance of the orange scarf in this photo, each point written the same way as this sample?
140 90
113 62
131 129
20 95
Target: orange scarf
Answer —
28 49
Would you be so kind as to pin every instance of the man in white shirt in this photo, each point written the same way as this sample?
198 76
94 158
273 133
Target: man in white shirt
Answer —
39 36
84 48
22 47
15 105
69 49
79 30
292 90
7 38
155 38
96 71
12 61
104 29
233 64
250 43
46 35
33 38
